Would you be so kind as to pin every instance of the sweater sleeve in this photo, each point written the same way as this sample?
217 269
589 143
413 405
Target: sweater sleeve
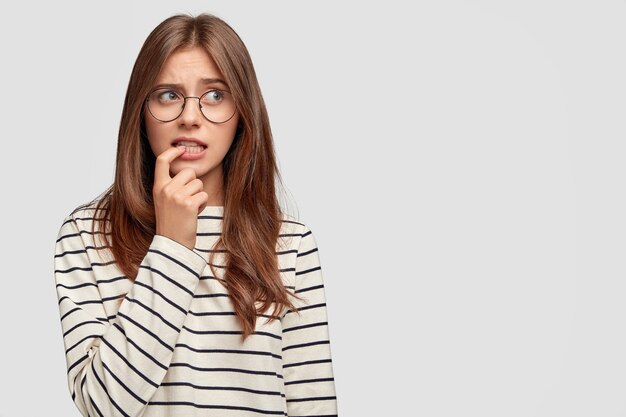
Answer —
307 363
115 364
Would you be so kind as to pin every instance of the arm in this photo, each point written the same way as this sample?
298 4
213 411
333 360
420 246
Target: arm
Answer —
115 366
307 363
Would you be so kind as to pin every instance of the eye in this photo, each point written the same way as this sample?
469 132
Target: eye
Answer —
167 96
213 97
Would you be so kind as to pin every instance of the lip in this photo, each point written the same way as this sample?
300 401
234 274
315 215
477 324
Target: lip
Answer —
183 138
186 156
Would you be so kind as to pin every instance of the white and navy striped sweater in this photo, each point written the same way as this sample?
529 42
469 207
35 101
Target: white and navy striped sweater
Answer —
172 347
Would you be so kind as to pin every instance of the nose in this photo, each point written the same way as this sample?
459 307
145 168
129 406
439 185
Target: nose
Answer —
191 114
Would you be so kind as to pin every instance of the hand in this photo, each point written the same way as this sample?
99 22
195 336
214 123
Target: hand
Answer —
178 200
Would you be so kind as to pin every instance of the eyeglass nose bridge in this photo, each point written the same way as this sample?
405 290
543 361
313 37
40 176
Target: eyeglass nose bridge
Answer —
182 108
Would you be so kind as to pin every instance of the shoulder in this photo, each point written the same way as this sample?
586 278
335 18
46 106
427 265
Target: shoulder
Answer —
84 215
295 232
293 226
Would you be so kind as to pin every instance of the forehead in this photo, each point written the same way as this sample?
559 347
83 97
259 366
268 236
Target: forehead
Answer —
189 67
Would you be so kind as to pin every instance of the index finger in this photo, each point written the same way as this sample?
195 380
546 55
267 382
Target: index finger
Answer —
162 164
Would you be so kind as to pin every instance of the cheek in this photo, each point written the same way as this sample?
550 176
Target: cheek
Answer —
153 133
229 138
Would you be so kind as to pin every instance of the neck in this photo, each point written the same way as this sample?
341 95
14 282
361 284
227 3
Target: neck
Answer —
214 186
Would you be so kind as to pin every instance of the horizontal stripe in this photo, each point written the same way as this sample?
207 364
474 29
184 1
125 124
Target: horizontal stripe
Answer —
102 218
70 312
82 232
237 332
113 297
205 217
278 253
306 271
103 263
216 407
307 252
211 250
212 313
315 362
292 222
114 279
220 388
292 400
224 313
320 305
305 326
215 295
75 268
72 366
99 301
91 336
302 345
84 323
207 277
73 287
70 252
315 287
237 370
234 351
308 381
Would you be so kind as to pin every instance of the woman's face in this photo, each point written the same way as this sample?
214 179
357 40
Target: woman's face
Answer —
189 71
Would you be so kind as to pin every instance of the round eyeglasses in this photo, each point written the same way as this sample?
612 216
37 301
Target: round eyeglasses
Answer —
167 104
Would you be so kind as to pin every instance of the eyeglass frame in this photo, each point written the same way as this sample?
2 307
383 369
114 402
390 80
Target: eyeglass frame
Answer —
182 108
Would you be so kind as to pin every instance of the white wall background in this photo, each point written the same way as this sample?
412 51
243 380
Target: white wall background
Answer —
461 164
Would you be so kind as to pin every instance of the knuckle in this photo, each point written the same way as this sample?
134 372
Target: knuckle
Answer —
188 204
180 199
166 190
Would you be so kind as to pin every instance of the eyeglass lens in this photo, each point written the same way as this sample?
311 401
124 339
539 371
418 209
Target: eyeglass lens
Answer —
166 104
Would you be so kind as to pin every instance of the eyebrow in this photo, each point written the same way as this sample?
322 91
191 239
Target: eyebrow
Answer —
205 81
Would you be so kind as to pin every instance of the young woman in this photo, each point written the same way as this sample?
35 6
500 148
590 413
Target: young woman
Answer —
183 289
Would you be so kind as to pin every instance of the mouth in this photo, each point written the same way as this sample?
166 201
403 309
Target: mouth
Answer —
192 144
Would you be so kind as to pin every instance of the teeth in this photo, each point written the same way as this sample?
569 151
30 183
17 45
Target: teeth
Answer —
193 149
185 143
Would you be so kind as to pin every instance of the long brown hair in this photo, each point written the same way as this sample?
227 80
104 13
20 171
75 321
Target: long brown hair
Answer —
252 213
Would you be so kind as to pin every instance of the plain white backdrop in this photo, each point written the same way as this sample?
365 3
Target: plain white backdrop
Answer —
461 164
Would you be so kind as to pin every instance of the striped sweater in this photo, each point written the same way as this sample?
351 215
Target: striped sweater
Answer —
168 344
